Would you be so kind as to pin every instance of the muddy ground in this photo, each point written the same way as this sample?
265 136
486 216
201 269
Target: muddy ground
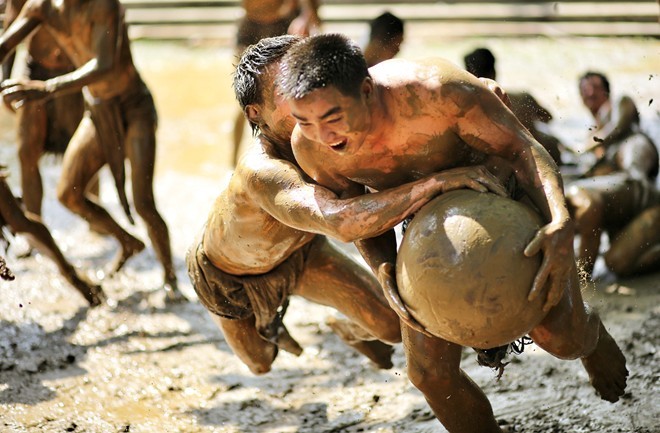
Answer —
139 365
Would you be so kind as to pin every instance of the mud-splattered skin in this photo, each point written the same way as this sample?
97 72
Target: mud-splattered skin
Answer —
93 35
415 117
45 59
270 209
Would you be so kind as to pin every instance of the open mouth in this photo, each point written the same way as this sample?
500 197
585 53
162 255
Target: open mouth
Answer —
340 145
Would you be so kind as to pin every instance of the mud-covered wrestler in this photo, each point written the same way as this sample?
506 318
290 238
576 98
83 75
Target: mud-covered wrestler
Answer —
617 140
392 123
43 126
119 123
262 241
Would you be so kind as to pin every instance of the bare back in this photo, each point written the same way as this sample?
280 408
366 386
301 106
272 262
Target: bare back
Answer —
240 236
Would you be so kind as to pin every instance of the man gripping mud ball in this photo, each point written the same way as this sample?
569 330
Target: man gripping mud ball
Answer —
399 120
262 240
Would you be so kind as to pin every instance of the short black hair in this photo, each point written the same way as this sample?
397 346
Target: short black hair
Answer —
385 27
601 76
480 63
323 60
247 84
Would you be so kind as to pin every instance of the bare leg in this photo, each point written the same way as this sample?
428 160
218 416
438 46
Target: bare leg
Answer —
141 148
82 160
246 343
32 128
353 335
573 330
332 278
636 249
434 368
41 237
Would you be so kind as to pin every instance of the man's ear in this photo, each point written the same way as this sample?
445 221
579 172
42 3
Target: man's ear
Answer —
367 87
253 114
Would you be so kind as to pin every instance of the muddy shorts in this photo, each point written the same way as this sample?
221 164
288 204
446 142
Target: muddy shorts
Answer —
63 112
240 296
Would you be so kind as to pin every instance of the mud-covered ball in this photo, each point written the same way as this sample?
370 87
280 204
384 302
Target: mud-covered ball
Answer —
462 273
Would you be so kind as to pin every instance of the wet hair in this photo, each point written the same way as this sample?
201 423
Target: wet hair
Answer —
480 63
247 83
322 61
601 76
385 27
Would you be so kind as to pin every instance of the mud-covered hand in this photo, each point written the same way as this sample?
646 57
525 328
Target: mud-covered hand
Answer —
16 92
555 240
387 279
475 177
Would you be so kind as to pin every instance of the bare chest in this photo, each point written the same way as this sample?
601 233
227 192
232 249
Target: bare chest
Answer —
404 154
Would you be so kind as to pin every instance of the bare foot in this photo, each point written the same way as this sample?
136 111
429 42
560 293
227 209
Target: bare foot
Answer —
172 293
92 293
126 251
607 367
378 352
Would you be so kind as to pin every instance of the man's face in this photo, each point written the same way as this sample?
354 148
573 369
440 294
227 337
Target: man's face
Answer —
333 119
593 93
275 120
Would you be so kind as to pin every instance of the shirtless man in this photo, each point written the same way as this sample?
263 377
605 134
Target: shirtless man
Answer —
399 120
120 121
267 18
259 244
618 194
31 226
42 126
617 140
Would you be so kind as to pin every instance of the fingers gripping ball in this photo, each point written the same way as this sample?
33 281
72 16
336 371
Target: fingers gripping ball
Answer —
462 273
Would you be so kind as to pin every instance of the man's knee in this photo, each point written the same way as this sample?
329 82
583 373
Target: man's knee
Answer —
586 208
436 379
570 331
146 208
70 196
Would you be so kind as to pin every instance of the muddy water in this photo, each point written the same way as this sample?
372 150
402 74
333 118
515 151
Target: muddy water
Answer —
136 365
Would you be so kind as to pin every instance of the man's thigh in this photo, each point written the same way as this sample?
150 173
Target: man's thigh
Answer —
83 157
332 278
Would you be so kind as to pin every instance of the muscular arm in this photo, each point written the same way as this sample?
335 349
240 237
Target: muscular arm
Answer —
487 126
105 21
27 20
279 187
620 127
11 12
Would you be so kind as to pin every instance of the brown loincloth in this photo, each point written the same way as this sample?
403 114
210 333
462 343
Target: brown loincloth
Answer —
111 118
63 112
238 297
